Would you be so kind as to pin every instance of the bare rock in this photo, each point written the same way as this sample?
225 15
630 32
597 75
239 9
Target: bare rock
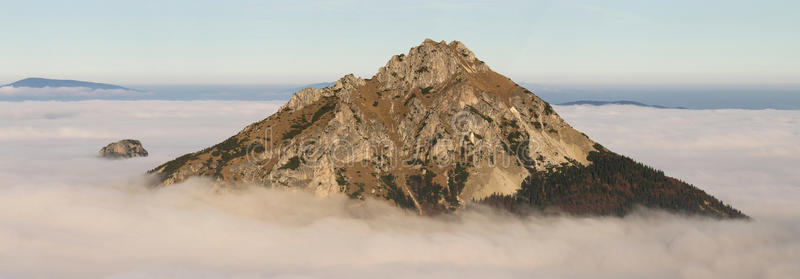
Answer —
431 131
127 148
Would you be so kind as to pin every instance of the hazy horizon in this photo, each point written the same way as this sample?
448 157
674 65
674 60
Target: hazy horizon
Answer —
692 96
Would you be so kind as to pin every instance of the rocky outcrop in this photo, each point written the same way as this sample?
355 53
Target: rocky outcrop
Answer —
428 65
126 148
431 131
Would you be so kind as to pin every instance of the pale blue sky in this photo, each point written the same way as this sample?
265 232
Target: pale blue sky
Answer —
253 42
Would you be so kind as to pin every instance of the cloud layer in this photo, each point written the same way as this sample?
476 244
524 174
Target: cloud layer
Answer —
65 213
62 92
744 157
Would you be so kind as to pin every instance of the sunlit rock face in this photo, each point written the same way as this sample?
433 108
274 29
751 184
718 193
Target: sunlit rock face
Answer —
433 130
127 148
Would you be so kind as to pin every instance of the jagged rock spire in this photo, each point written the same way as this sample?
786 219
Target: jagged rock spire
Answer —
429 64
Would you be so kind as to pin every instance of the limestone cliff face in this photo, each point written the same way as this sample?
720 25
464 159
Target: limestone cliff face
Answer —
433 129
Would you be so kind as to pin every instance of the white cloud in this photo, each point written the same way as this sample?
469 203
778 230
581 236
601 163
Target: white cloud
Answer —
22 133
59 92
741 156
66 214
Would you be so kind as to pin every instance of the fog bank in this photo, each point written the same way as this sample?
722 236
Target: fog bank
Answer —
65 213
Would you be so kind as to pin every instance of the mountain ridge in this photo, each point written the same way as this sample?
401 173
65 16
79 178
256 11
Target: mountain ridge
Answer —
619 102
431 131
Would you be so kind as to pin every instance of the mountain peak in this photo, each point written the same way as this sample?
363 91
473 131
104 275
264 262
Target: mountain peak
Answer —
429 64
433 130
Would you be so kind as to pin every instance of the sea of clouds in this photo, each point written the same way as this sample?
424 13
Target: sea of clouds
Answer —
64 213
49 93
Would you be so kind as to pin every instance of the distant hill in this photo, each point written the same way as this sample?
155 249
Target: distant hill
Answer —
622 102
45 82
313 85
690 96
320 85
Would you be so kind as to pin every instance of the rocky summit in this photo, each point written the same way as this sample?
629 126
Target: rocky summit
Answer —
127 148
432 131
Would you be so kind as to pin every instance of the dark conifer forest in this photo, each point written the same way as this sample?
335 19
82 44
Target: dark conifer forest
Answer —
611 185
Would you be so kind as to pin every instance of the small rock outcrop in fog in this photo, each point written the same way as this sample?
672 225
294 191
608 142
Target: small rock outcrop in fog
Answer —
127 148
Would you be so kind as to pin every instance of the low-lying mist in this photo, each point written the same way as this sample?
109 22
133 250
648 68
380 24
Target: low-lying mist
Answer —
66 213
